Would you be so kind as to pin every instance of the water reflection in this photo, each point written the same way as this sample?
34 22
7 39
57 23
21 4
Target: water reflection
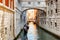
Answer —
32 32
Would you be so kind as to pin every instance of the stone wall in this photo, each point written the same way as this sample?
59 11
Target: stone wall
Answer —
6 23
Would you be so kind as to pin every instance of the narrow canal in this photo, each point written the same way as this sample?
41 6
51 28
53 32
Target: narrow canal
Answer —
37 33
32 32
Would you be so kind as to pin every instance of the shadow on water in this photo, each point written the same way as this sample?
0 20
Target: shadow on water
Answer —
46 35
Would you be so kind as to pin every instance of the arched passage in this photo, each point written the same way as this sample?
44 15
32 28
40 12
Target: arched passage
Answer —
39 14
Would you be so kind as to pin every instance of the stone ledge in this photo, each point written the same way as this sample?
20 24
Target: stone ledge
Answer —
5 7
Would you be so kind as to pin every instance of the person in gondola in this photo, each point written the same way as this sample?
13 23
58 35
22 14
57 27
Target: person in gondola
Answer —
25 29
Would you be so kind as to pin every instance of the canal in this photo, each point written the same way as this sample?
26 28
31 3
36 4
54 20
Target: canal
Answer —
37 33
45 35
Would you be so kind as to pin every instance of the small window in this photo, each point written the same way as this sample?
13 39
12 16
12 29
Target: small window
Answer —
55 24
5 30
48 4
51 23
56 10
51 12
56 0
51 2
29 2
38 2
10 27
45 22
48 12
50 19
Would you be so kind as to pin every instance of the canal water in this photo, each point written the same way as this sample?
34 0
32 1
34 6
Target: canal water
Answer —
37 33
45 35
32 32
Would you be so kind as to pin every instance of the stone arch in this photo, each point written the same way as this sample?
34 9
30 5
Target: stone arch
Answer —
40 12
32 8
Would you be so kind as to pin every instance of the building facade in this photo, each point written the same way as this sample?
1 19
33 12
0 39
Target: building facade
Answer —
6 19
52 17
